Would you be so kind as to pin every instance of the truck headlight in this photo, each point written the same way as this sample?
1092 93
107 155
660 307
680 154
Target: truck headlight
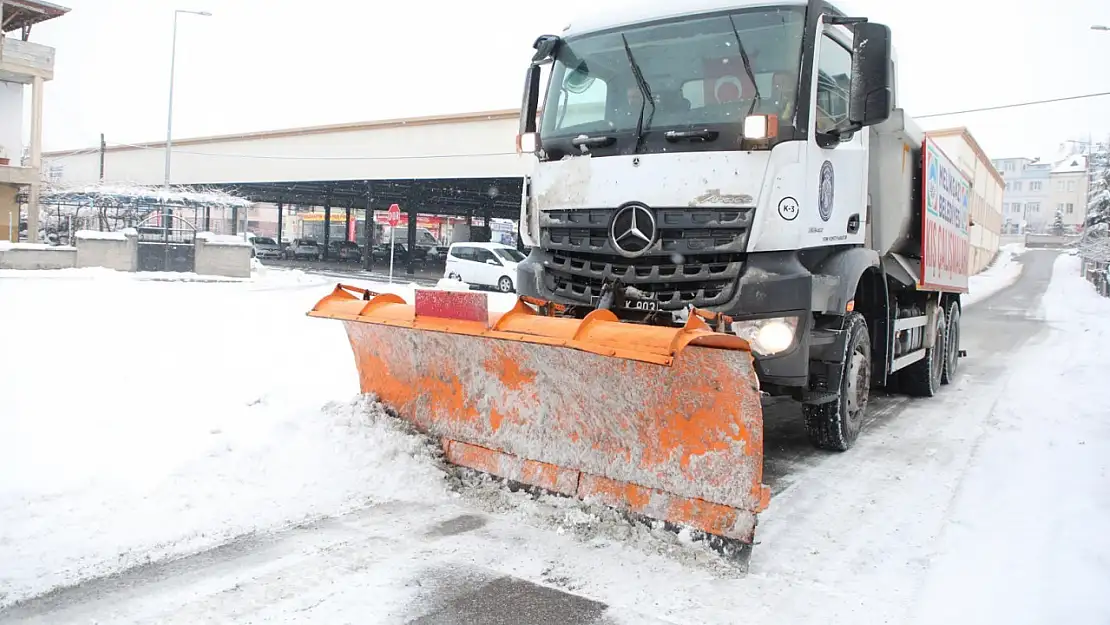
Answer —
768 336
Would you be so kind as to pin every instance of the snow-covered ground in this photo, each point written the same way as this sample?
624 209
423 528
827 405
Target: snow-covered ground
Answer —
1028 539
1001 274
148 419
146 416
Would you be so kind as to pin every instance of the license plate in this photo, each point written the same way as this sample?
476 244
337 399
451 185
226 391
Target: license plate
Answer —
646 305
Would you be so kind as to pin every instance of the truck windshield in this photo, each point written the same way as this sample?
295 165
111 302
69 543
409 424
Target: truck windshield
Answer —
693 70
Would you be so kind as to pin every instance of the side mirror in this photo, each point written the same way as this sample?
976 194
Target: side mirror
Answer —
872 92
545 46
531 102
490 261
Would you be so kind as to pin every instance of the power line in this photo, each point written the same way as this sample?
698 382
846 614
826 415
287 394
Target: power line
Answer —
80 152
1019 104
317 158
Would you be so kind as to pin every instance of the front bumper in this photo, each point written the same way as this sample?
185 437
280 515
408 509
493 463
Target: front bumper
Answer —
773 284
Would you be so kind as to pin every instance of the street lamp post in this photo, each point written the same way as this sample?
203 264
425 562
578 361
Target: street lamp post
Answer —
169 115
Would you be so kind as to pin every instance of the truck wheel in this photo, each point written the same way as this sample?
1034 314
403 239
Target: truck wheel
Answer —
835 425
952 345
922 378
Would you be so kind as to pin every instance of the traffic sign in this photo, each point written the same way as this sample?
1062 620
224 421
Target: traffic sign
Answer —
394 215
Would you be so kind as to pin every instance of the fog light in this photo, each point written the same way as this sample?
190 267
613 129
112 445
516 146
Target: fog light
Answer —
768 336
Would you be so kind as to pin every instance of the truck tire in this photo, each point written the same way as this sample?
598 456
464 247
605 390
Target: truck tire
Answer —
835 425
922 378
952 344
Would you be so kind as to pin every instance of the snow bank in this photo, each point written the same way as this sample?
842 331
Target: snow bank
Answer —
169 417
96 235
1027 540
8 245
1003 272
223 239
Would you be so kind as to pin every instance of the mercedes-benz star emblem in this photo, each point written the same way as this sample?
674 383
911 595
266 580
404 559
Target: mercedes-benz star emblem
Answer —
633 230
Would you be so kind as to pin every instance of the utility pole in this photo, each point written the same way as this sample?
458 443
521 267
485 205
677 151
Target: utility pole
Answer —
103 148
169 112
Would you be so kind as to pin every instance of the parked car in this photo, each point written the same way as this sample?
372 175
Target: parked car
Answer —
303 249
437 253
344 251
265 247
400 254
484 264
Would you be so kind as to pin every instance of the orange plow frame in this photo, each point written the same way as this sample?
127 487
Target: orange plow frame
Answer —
662 422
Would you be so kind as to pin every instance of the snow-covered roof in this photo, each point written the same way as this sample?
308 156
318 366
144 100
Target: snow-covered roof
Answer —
1071 165
137 194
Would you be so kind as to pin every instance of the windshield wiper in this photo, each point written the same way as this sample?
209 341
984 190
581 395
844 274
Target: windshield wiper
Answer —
694 135
645 91
747 65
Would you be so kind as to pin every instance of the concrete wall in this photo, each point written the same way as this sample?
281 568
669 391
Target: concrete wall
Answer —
37 256
1050 240
9 213
111 250
459 146
11 121
222 256
215 255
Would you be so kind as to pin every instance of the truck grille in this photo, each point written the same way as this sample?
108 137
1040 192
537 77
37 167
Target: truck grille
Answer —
696 259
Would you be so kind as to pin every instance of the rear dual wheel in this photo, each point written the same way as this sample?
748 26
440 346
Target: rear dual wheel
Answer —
924 377
952 344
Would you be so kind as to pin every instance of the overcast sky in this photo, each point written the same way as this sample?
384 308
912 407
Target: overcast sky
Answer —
271 64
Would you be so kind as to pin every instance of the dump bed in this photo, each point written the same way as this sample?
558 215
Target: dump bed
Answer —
919 206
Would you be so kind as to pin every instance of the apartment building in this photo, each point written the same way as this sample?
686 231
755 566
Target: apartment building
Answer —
1035 190
1026 199
1068 193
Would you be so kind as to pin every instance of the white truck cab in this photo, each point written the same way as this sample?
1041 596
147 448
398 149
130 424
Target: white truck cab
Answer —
744 157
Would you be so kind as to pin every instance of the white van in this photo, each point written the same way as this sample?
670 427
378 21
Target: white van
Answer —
484 264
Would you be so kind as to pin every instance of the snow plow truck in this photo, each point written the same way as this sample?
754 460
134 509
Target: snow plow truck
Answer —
725 202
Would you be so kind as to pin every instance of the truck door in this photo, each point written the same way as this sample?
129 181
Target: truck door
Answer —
836 170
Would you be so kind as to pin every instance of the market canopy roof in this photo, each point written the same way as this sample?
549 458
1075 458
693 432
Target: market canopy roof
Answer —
440 196
116 195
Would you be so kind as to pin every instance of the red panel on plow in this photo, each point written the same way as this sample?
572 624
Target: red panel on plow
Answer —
680 441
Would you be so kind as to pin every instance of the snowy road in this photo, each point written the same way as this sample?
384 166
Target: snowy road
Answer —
985 504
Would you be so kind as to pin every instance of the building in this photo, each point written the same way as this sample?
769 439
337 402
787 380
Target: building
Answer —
1068 193
22 63
464 166
1036 190
987 188
1027 201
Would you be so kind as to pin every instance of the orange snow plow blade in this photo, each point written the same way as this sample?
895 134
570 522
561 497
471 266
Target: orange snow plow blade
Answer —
662 422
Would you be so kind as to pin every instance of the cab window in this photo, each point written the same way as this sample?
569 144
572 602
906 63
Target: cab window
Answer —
834 76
